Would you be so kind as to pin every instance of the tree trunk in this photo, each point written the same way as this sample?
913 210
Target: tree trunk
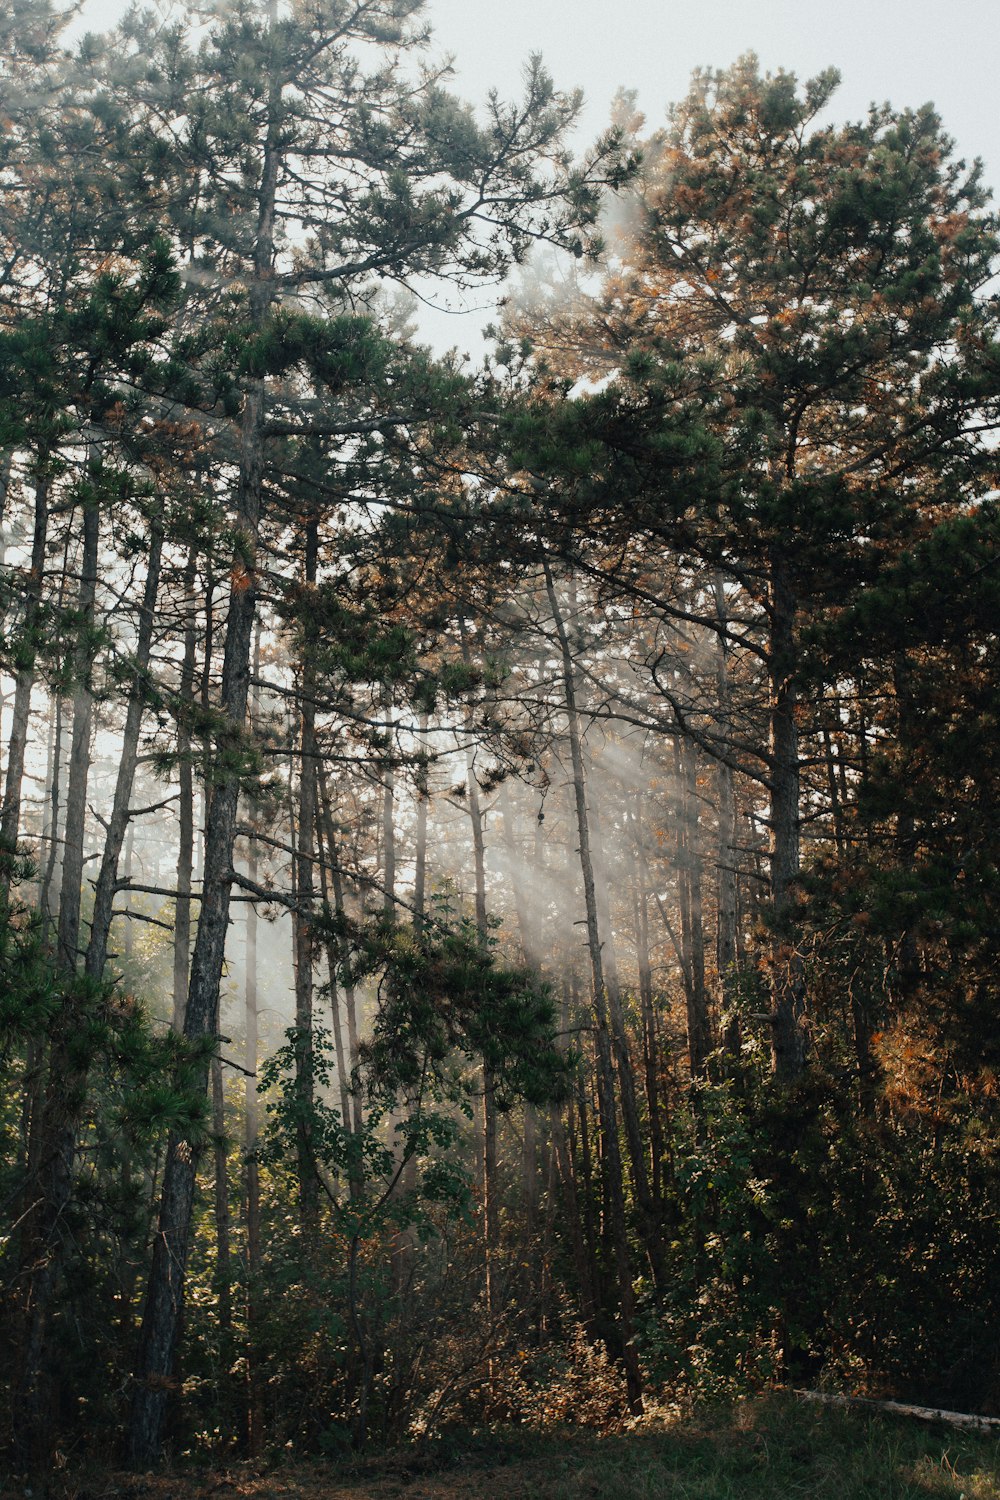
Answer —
305 855
389 838
726 941
350 1000
79 764
491 1203
524 923
787 1036
166 1281
55 795
650 1038
185 809
634 1134
68 1068
602 1039
6 464
692 916
420 861
251 1127
529 1158
52 719
107 880
27 655
223 1252
68 1074
332 962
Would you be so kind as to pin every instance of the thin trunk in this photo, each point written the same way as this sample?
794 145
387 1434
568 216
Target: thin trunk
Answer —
524 923
6 464
185 808
423 800
634 1133
787 1035
53 866
908 731
726 951
305 856
650 1040
529 1159
491 1203
585 1176
79 764
350 999
50 771
389 840
27 655
107 879
251 1127
223 1251
165 1292
327 855
574 1221
830 758
55 797
692 917
128 856
605 1066
408 1182
68 1066
332 963
491 1193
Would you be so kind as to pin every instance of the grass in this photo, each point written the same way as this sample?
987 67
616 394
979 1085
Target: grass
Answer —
776 1449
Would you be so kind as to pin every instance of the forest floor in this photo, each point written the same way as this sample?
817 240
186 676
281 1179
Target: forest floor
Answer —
764 1450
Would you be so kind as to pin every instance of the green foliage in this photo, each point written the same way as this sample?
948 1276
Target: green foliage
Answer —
84 1058
443 993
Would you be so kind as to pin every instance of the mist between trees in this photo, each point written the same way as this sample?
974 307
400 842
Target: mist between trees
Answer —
499 884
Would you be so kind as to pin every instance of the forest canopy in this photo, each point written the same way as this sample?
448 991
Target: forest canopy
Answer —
499 898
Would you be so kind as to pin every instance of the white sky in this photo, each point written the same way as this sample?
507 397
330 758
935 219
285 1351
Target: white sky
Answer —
905 51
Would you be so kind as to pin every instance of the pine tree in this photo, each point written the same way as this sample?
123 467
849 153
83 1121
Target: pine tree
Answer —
800 341
312 162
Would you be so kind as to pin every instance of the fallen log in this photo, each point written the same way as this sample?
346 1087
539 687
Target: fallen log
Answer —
902 1409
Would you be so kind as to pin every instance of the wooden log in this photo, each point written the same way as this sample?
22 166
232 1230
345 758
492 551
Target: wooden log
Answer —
902 1409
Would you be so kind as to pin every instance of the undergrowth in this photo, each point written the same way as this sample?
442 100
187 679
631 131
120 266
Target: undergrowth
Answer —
755 1450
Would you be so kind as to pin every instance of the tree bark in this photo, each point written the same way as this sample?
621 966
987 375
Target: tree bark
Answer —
332 963
166 1281
529 1159
389 837
251 1128
10 822
602 1037
185 809
223 1249
634 1135
107 880
692 916
726 940
79 764
305 857
55 797
350 999
423 801
491 1203
787 1036
650 1037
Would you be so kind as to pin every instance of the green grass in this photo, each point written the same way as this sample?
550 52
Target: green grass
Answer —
765 1450
774 1449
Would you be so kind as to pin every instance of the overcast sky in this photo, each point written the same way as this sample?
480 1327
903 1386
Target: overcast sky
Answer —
904 51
